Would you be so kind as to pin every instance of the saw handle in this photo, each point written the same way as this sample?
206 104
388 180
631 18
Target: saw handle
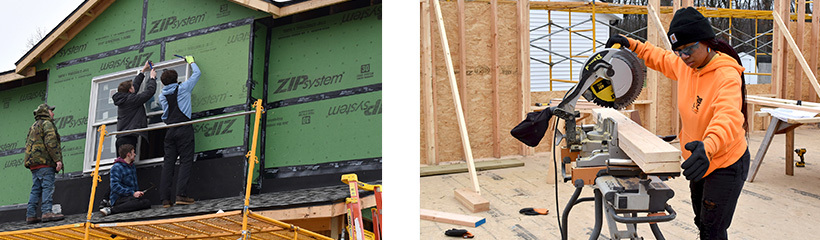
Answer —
616 46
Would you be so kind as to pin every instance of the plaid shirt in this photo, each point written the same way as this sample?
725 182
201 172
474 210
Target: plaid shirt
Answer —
123 180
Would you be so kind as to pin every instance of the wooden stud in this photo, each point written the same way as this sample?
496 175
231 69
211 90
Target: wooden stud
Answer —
452 218
815 38
472 200
428 106
784 75
465 139
797 53
433 83
777 54
462 55
782 105
654 27
496 103
801 22
651 153
524 64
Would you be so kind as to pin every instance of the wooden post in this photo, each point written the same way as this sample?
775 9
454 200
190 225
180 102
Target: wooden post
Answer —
496 107
465 139
428 106
462 55
801 22
524 63
654 27
777 55
815 38
798 54
789 153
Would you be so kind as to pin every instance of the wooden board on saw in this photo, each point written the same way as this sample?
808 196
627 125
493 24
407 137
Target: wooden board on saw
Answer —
651 153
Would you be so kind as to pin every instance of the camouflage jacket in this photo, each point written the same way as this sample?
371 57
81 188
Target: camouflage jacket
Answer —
43 143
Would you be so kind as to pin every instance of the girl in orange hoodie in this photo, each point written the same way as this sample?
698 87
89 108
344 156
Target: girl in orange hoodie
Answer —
711 99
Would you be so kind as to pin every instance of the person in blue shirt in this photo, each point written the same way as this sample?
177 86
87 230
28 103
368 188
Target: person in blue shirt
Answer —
179 141
125 196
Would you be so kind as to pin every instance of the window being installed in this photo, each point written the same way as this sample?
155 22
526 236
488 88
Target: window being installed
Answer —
102 111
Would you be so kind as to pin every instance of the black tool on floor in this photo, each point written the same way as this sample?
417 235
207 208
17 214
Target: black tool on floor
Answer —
458 233
800 152
534 211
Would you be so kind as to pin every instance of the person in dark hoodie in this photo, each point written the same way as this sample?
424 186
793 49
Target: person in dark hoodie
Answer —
44 157
125 195
131 106
179 141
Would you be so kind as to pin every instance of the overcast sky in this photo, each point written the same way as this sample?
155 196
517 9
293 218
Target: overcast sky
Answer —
20 20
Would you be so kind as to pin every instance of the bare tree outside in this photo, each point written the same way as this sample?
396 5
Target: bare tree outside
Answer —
36 37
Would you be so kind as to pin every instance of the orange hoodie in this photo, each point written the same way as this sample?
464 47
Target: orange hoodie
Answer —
709 101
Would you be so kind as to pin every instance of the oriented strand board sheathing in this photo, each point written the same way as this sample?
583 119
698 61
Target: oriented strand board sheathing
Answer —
478 105
508 77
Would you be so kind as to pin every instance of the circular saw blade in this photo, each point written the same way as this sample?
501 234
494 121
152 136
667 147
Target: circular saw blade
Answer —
626 82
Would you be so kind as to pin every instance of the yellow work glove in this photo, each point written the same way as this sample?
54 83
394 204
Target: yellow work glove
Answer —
189 59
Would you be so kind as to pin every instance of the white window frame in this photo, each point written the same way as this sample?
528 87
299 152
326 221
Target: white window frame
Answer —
92 134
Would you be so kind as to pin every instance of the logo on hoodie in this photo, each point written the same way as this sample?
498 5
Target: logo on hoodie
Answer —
696 104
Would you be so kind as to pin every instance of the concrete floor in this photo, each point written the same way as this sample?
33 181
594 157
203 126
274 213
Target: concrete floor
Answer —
774 206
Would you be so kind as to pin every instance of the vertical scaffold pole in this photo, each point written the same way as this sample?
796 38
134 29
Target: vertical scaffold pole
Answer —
251 161
94 181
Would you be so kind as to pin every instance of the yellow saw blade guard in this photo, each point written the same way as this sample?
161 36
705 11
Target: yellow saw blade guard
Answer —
602 89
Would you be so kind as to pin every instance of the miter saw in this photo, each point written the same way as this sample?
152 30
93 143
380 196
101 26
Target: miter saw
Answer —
611 78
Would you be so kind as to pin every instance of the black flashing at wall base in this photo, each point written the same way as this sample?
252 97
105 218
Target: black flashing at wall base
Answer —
314 181
209 180
330 168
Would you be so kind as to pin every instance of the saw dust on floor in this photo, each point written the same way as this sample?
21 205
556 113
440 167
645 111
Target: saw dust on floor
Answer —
774 206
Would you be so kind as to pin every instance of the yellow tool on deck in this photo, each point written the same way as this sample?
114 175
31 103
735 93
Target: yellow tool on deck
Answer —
800 152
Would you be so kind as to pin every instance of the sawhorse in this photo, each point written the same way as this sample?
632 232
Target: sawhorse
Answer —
778 126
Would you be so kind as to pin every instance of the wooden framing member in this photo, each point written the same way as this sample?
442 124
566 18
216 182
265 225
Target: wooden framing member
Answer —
321 211
472 200
780 61
452 218
259 5
462 56
71 26
807 106
798 78
797 53
524 64
495 70
655 32
465 139
306 6
815 38
427 81
651 153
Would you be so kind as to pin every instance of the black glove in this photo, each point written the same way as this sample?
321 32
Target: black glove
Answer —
617 39
696 165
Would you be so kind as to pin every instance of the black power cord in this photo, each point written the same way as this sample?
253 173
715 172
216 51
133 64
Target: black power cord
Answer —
555 170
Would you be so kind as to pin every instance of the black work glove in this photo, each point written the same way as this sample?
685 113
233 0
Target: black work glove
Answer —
617 39
696 165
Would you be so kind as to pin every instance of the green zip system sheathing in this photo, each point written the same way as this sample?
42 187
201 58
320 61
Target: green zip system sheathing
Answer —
325 90
323 83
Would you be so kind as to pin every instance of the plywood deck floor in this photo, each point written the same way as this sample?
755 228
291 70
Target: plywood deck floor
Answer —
774 206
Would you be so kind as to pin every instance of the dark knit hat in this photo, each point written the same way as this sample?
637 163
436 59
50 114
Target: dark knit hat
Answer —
688 26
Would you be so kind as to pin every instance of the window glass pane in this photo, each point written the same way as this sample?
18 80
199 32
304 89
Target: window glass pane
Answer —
106 110
108 151
152 105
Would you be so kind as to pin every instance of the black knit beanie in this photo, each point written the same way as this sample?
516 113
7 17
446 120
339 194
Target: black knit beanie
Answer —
688 26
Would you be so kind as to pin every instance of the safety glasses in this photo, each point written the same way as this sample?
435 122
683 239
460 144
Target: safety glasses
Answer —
687 50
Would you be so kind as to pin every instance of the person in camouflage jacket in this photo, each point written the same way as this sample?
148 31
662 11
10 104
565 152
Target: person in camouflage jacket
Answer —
44 158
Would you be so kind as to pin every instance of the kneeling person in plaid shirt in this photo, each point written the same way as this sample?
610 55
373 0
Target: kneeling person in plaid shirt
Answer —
124 194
